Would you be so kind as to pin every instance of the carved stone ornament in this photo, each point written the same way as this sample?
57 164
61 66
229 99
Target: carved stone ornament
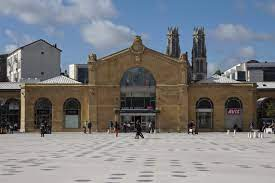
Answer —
92 57
137 47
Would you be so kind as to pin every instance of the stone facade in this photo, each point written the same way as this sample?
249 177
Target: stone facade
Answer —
100 98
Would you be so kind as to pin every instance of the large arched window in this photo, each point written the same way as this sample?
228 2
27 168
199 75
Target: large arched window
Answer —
72 113
138 89
204 113
10 112
43 112
233 113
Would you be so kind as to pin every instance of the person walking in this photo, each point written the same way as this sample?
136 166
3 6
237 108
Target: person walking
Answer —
153 126
90 127
138 128
85 127
111 126
11 128
116 128
251 126
124 127
42 129
149 126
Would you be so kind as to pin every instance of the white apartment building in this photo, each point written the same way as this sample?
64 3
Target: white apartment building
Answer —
36 61
79 72
252 71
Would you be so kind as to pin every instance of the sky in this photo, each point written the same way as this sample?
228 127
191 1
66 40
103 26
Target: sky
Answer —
236 30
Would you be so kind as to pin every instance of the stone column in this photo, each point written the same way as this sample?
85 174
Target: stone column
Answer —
22 108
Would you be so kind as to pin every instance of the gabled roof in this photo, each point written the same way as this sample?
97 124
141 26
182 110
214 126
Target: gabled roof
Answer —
10 86
60 80
145 48
34 43
218 79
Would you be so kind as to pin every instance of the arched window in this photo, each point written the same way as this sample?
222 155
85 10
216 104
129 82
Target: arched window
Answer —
204 113
233 113
10 112
43 112
138 89
72 113
233 102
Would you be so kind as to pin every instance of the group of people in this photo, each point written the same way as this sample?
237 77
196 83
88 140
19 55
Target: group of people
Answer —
115 128
87 125
263 126
192 128
45 128
8 127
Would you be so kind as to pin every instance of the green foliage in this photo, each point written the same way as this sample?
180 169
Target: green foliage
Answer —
218 72
270 110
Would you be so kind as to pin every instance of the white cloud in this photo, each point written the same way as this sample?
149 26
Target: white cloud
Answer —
52 31
16 40
247 52
105 34
52 12
231 32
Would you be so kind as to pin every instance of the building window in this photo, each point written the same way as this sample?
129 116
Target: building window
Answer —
72 109
138 89
43 112
10 112
42 73
269 75
233 113
241 76
204 113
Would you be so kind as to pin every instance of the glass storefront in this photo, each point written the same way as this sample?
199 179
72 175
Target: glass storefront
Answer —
137 98
43 112
10 113
204 113
233 113
72 113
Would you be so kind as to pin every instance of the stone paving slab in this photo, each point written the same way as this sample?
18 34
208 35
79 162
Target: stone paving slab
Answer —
165 157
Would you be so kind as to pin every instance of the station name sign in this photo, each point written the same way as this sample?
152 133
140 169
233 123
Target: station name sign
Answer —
233 111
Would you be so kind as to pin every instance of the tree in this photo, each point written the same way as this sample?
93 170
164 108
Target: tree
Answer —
270 109
218 72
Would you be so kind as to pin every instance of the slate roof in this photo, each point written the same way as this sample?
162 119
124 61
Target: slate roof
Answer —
60 80
218 79
33 43
10 86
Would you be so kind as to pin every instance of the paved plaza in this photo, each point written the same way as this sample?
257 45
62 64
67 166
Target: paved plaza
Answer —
165 157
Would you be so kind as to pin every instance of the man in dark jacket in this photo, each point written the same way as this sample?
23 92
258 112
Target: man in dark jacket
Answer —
139 133
42 129
90 127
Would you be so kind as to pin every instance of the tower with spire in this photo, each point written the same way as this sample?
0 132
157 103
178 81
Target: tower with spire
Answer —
199 58
173 45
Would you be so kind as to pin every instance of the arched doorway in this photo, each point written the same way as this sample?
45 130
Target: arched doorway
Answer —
137 97
233 113
10 113
265 111
204 113
43 112
72 113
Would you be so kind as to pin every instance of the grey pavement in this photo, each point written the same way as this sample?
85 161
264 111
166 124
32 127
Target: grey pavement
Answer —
165 157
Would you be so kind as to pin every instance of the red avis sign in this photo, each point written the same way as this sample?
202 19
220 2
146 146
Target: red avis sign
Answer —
233 111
